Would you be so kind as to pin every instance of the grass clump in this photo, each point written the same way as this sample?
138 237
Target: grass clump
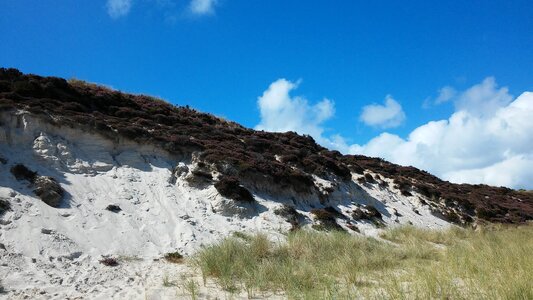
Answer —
192 288
407 263
167 282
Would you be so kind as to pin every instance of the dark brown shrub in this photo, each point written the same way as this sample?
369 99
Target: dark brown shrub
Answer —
174 257
406 193
373 212
368 213
369 178
291 215
230 187
109 261
326 219
113 208
48 190
21 172
4 206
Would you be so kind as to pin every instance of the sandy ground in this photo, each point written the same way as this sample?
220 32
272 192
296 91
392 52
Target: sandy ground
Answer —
131 279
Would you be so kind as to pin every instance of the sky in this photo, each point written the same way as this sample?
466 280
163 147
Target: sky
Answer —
442 86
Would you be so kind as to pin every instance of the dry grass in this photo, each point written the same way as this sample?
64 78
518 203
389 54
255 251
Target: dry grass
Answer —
490 263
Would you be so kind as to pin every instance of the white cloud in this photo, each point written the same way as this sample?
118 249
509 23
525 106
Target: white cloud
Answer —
385 116
202 7
281 112
515 171
484 98
445 94
488 139
118 8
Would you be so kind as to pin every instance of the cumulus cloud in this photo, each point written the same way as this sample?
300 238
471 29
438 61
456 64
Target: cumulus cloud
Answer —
118 8
484 98
282 112
486 140
202 7
388 115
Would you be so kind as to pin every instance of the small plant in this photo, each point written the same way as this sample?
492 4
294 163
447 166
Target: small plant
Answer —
109 261
326 218
113 208
192 286
383 184
167 282
4 206
373 212
174 257
290 214
241 235
368 213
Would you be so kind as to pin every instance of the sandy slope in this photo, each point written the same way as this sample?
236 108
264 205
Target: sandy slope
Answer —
54 252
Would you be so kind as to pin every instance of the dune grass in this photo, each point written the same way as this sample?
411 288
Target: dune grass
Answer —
406 263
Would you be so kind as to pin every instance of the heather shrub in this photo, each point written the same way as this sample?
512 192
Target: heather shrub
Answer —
290 214
326 218
230 187
21 172
109 261
4 206
369 178
174 257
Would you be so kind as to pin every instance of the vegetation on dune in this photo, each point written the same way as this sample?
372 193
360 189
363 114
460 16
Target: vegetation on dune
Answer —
4 206
405 263
174 257
231 188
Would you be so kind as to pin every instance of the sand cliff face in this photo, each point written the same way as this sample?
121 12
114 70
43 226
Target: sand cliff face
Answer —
165 205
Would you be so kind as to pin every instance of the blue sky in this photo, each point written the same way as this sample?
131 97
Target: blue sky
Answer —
337 58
